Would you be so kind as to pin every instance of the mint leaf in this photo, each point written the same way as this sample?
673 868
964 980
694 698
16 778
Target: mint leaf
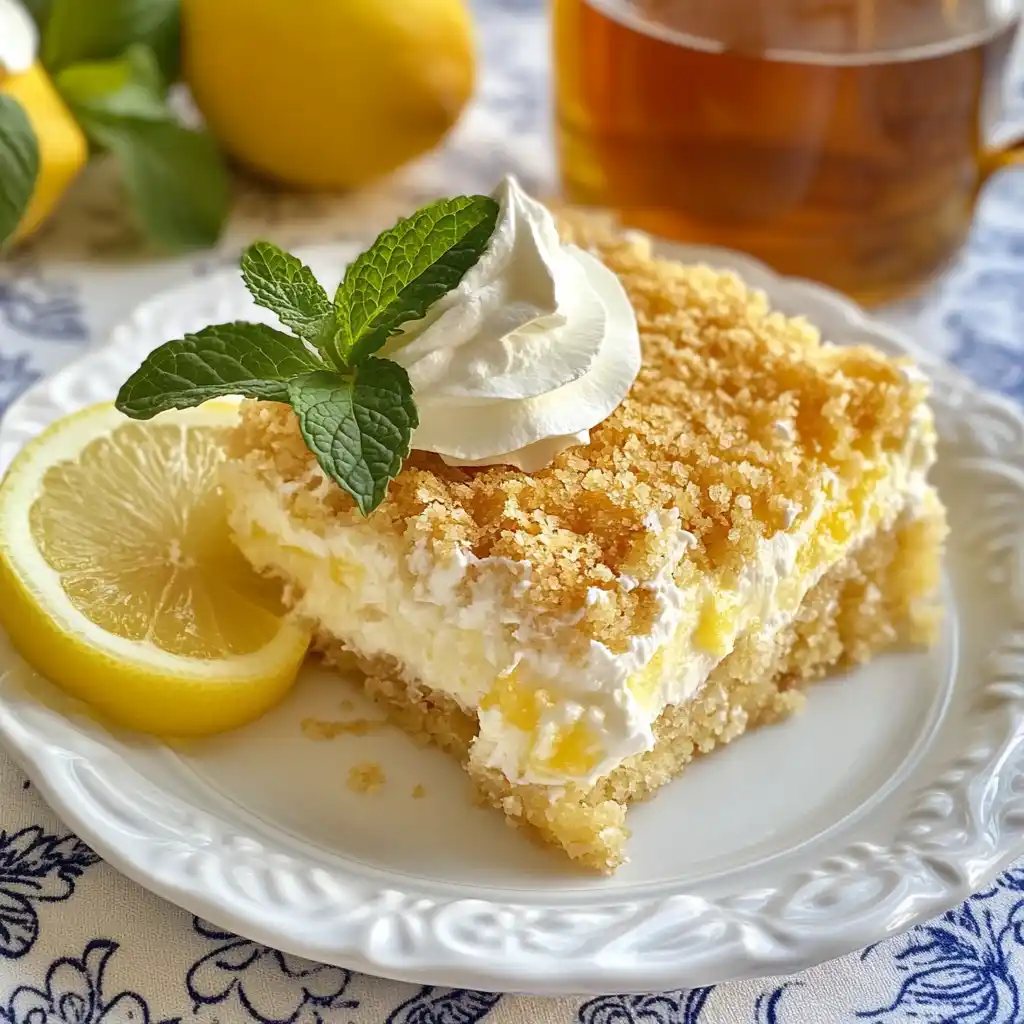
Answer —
286 286
19 165
91 30
358 425
251 360
175 177
115 89
407 269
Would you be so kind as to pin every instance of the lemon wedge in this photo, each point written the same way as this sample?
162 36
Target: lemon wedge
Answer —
119 581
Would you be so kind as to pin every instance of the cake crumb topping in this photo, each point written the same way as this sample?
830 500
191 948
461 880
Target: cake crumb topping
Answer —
320 729
736 415
365 777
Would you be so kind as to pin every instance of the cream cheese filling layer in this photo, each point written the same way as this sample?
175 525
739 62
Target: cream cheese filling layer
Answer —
555 706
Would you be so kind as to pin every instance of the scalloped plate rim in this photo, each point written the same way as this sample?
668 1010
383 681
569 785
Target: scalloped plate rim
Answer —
502 972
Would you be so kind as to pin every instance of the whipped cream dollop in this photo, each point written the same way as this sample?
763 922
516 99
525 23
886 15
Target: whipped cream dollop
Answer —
536 345
18 38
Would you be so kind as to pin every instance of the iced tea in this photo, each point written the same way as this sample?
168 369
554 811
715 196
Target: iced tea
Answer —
842 140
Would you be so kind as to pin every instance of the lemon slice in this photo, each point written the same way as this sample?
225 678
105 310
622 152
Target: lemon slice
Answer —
119 581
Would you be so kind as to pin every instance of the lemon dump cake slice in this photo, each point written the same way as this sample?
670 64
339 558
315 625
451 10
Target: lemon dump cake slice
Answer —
578 513
752 515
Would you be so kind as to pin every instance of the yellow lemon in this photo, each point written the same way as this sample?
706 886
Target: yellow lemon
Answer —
118 579
328 94
62 146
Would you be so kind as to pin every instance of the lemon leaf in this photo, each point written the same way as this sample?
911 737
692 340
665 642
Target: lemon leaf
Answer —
102 29
251 360
19 165
119 88
286 286
407 269
358 425
175 177
145 65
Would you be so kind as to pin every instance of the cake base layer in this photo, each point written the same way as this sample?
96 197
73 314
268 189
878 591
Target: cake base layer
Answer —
880 595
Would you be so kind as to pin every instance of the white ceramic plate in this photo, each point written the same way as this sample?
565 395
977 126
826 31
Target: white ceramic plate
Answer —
896 795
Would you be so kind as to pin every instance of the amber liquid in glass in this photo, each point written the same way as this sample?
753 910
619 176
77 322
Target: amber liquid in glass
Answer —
853 159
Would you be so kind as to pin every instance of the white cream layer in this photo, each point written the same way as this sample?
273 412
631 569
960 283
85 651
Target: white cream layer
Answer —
464 627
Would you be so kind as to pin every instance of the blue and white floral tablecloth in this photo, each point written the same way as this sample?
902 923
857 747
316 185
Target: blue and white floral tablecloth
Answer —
80 944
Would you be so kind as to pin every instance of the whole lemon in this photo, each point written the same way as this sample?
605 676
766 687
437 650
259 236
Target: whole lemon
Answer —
61 145
328 94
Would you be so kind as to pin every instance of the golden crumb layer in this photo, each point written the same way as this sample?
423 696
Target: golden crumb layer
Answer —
737 411
880 595
324 729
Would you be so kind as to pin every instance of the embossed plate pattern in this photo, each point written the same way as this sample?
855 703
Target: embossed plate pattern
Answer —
896 796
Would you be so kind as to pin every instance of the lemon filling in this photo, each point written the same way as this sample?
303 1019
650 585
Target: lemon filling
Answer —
552 706
711 619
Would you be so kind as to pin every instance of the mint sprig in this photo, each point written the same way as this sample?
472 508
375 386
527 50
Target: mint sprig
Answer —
356 411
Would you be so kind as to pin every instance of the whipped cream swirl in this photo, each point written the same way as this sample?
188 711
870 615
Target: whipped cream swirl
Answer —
536 345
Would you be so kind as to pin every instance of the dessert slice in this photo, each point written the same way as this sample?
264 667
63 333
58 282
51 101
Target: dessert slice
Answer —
755 513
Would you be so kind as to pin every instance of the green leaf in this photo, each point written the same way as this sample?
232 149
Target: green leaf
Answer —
251 360
286 286
358 425
91 30
19 165
126 87
165 44
407 269
146 68
175 177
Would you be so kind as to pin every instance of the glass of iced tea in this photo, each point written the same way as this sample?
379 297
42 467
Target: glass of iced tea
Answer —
841 140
